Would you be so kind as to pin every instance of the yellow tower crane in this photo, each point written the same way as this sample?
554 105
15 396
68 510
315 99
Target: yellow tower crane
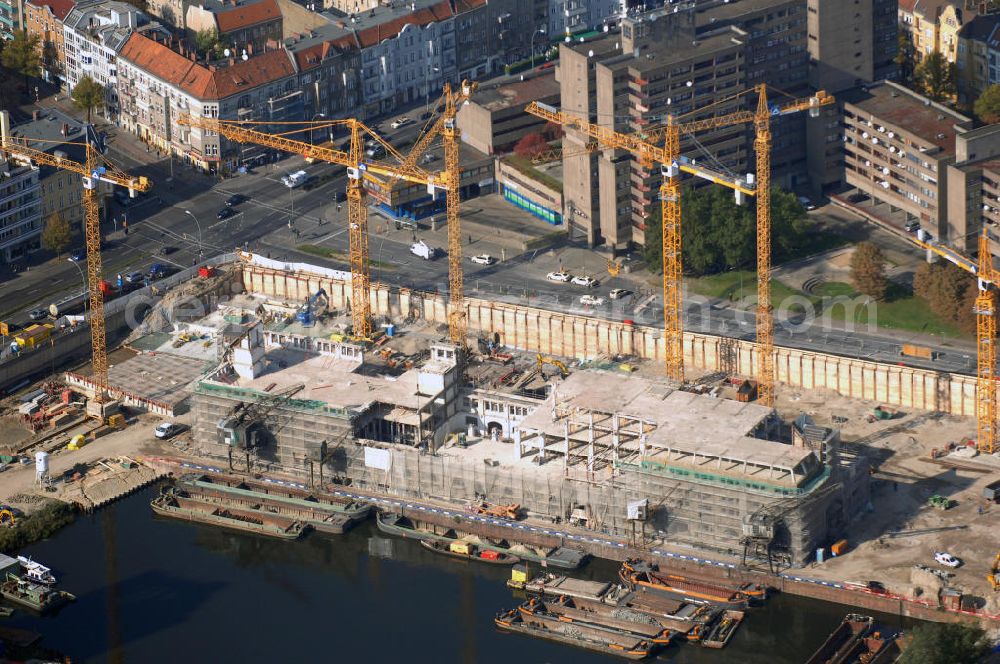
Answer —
357 168
671 162
761 119
91 171
447 127
988 280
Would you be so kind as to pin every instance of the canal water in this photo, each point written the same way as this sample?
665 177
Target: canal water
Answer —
155 590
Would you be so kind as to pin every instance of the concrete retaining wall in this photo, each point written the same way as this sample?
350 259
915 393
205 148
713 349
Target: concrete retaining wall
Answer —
570 335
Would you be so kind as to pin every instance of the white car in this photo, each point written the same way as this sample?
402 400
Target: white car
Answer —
589 282
591 300
483 259
619 293
561 275
401 121
947 559
166 430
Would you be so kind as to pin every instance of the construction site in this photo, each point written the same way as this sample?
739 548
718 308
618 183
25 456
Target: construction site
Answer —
659 441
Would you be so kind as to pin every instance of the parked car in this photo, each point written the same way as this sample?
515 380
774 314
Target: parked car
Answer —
806 203
429 157
947 559
561 276
483 259
583 280
167 250
78 255
619 293
376 151
912 226
225 213
37 314
426 115
134 277
166 430
591 300
401 121
158 271
236 199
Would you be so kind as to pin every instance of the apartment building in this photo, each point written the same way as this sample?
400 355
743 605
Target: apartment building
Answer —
851 43
44 19
57 133
94 33
11 18
329 66
157 85
569 17
934 25
897 147
494 119
20 211
978 64
244 25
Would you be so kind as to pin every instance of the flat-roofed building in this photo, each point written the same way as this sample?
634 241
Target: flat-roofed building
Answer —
494 119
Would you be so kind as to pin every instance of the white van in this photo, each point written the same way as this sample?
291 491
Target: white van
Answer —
296 179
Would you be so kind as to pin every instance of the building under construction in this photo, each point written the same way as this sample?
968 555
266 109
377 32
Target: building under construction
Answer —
618 454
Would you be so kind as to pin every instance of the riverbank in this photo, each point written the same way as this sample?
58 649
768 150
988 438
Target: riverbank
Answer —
49 518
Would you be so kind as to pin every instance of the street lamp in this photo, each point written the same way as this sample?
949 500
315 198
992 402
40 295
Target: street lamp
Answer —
539 31
83 278
311 128
198 224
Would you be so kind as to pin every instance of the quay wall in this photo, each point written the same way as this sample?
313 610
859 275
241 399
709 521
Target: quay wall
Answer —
536 329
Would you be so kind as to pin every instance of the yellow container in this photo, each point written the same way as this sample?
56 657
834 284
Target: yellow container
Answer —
459 547
34 335
519 575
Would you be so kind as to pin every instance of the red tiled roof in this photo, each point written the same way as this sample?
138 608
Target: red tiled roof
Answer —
425 16
312 56
243 16
198 80
59 8
907 5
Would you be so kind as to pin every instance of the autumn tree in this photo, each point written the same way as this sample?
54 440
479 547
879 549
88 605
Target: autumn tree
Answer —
56 234
987 107
531 146
949 292
868 271
936 76
87 95
22 55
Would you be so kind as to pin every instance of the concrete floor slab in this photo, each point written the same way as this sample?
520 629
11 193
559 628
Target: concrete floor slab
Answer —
161 377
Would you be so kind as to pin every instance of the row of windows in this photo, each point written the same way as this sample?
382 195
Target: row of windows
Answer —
543 213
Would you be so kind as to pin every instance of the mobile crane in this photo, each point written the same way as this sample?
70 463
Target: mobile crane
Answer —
91 172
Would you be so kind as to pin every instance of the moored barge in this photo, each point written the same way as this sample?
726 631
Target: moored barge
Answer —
32 595
468 551
610 617
176 506
640 574
849 634
514 621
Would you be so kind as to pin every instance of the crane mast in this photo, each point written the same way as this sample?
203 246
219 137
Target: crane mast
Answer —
91 173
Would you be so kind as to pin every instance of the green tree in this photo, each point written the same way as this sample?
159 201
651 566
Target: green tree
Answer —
208 43
22 55
936 76
904 55
987 107
87 95
946 643
56 234
868 271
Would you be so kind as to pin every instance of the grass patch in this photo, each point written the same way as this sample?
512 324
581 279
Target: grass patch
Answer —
40 525
525 167
903 311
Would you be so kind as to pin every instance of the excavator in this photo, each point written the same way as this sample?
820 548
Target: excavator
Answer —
305 314
542 361
994 575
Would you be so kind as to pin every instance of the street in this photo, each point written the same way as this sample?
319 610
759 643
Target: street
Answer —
176 223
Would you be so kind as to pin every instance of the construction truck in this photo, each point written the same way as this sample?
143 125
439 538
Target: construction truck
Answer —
511 511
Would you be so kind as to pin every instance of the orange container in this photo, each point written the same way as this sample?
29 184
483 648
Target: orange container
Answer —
839 547
489 554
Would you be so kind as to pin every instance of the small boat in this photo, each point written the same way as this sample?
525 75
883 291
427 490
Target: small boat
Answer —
467 551
514 621
6 612
35 597
36 572
719 634
176 506
849 633
402 526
